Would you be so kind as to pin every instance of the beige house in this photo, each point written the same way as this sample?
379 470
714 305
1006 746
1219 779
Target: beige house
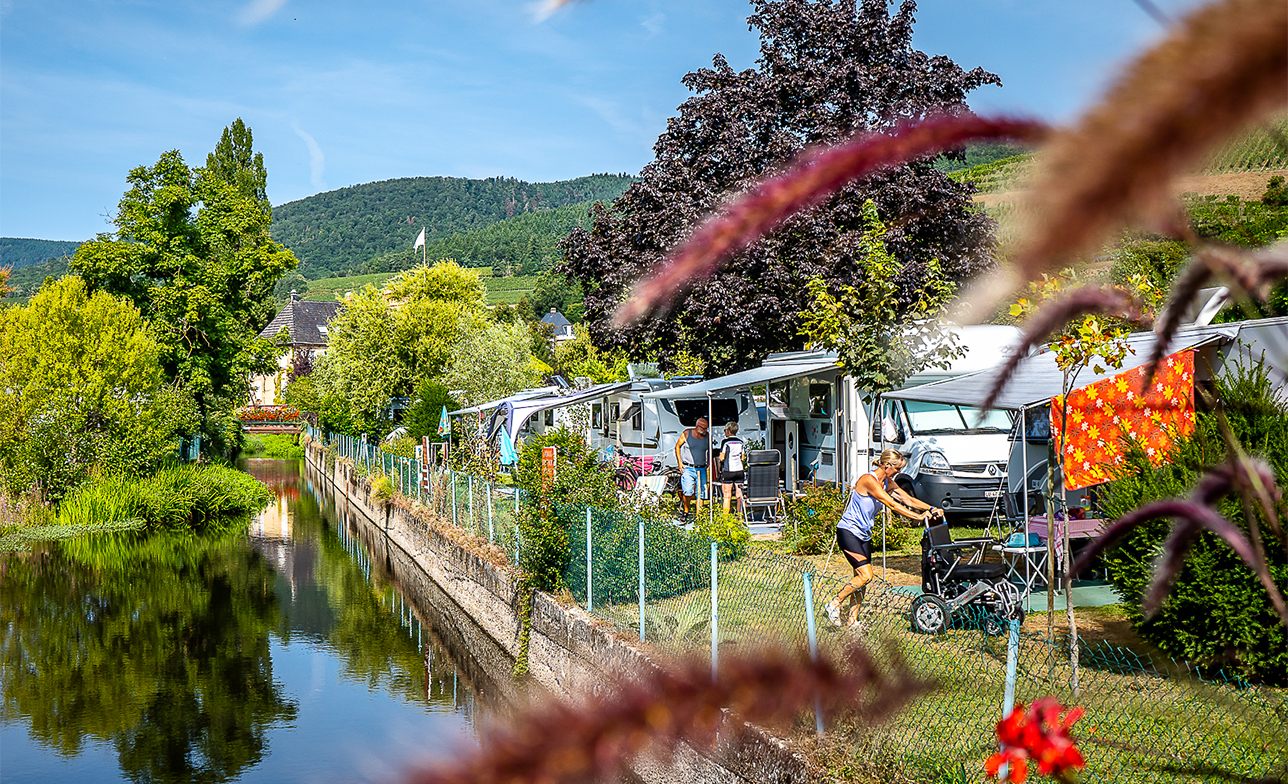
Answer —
307 324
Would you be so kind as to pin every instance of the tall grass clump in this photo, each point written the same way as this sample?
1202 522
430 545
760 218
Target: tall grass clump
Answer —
174 498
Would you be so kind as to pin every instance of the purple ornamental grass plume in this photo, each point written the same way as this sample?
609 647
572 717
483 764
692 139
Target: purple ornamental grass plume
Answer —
551 742
1192 516
814 176
1051 317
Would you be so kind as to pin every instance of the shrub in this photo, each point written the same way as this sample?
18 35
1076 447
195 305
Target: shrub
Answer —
811 519
727 529
1217 614
399 447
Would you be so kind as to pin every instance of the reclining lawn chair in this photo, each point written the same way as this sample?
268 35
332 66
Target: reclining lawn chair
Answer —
761 490
953 576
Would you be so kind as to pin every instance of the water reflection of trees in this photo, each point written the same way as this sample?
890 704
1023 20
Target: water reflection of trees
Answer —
157 646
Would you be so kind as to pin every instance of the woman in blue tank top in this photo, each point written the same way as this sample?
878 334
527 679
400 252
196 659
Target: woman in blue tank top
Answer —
854 529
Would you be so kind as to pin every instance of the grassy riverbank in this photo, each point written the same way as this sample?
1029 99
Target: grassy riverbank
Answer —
175 498
274 447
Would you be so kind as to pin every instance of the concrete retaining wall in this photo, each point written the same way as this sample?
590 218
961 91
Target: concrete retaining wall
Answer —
474 606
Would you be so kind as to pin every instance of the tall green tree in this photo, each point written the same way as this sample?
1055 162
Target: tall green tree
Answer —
193 253
82 389
386 340
235 162
827 69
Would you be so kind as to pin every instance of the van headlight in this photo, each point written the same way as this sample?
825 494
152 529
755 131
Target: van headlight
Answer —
935 463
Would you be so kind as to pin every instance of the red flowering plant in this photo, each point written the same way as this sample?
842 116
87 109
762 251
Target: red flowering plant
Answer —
268 414
1041 735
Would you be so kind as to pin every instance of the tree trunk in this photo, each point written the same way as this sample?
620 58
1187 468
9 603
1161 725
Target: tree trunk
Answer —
1067 561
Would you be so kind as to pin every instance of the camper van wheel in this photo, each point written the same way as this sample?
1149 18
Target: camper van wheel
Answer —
930 614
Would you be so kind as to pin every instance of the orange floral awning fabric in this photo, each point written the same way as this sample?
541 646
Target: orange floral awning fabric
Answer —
1103 414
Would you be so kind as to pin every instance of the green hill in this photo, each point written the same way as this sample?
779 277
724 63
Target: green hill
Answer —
19 252
523 245
344 229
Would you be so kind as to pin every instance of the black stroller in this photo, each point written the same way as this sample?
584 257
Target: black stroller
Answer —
953 576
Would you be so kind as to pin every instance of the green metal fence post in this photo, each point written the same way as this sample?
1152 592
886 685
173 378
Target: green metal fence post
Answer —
642 597
469 499
813 647
491 531
1012 665
590 603
454 515
715 616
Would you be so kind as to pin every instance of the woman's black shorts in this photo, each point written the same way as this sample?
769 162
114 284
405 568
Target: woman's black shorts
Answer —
849 543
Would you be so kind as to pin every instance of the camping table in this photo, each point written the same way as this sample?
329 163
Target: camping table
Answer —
1088 528
1018 558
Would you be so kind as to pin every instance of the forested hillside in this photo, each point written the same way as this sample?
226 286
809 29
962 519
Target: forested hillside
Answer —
523 245
344 229
19 252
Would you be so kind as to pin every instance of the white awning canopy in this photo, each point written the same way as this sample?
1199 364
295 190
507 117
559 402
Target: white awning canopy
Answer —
492 404
518 412
1038 378
761 375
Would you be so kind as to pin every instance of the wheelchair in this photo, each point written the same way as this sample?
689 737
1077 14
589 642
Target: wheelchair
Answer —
955 581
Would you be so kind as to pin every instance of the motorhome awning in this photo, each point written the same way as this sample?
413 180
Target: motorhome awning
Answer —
1038 378
518 412
526 394
761 375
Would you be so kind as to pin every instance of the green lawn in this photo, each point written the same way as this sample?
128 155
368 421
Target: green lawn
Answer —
499 290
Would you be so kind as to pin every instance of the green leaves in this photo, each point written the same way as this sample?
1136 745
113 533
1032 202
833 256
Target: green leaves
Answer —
191 250
878 342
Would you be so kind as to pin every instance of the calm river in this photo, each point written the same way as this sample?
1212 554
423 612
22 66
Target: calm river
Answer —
271 652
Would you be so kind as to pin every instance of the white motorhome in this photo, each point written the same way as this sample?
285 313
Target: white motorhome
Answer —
825 428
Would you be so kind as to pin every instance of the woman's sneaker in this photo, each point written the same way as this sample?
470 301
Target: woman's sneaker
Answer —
833 614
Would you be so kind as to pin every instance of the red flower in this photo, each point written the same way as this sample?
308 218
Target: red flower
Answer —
1040 734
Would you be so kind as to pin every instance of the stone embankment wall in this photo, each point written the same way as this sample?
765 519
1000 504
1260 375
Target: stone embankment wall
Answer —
474 606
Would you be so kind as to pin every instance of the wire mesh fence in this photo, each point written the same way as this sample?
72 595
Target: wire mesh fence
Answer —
685 594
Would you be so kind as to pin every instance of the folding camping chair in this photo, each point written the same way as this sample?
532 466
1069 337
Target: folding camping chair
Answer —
761 490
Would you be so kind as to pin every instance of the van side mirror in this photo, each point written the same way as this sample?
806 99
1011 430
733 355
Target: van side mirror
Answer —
889 432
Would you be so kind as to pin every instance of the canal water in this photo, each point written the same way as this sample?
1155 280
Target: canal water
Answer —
271 651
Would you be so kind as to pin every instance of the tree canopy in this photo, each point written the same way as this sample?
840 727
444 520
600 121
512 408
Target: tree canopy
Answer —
385 341
827 69
83 389
192 251
235 162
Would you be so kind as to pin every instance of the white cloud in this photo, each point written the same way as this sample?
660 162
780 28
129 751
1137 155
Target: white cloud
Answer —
317 161
257 11
654 23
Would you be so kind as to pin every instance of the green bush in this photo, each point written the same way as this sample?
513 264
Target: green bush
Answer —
275 447
580 480
177 497
811 521
400 447
1217 614
727 529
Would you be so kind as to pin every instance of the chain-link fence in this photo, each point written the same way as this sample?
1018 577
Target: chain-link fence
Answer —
686 594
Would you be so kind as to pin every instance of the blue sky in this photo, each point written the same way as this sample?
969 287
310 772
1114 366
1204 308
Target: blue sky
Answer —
340 93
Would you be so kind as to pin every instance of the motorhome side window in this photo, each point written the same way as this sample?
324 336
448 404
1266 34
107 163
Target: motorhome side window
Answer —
778 396
637 419
820 401
597 416
722 411
615 412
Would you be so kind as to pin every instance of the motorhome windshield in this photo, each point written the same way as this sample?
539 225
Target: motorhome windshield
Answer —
936 419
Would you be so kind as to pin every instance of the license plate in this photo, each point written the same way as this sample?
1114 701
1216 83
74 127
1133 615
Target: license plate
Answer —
992 493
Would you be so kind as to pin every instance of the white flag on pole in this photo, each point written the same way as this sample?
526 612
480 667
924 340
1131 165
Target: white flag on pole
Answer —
420 240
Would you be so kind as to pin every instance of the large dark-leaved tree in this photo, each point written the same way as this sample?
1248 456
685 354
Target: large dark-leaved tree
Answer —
828 69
